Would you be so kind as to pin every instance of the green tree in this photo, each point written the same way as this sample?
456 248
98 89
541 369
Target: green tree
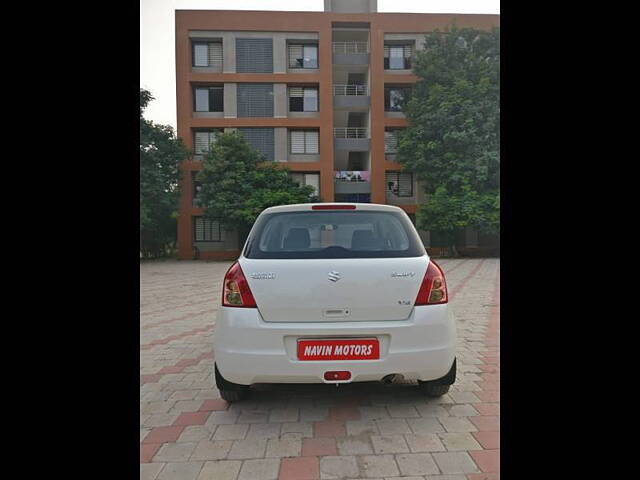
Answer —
237 184
160 156
452 141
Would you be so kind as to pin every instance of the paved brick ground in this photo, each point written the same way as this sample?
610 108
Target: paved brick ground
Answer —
311 431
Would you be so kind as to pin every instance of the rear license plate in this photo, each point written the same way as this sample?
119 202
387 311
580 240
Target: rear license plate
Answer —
348 349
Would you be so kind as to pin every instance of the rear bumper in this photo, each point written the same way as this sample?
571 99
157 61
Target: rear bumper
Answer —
249 350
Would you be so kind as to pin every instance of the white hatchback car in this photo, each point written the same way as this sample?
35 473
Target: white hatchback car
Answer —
334 293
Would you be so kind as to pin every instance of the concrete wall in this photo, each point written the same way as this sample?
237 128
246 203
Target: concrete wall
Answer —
351 101
206 69
302 114
351 58
281 145
230 100
280 100
208 114
307 157
352 144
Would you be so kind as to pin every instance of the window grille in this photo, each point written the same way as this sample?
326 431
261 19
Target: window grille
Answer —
254 55
255 99
206 230
262 139
399 183
397 57
304 141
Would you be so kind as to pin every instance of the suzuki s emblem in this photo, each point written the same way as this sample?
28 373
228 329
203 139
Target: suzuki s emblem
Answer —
334 276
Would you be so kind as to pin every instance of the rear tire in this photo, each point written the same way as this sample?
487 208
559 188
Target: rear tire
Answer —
230 392
440 386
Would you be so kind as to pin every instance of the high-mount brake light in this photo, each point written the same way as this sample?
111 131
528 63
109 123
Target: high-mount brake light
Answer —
333 207
235 290
433 289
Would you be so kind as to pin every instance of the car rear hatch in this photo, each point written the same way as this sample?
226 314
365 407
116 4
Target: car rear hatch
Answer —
337 290
342 266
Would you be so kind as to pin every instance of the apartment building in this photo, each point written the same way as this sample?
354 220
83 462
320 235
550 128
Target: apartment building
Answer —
317 91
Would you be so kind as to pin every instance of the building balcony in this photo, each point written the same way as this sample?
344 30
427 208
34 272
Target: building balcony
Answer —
351 96
354 139
352 181
351 132
350 53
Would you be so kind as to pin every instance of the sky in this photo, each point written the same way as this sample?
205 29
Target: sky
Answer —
157 36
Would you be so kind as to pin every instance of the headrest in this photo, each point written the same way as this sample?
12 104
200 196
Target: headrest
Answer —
363 240
297 238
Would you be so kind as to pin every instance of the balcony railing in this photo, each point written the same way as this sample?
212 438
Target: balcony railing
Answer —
347 48
351 132
356 90
352 176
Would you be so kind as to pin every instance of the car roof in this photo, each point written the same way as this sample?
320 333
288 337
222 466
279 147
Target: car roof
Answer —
300 207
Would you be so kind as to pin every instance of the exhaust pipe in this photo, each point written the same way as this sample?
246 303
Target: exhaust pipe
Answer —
389 379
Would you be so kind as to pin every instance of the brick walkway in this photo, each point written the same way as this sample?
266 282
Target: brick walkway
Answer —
303 432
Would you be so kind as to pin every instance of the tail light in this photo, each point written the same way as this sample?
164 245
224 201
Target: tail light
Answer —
434 287
333 207
235 290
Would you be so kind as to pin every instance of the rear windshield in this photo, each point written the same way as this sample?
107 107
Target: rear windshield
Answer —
336 234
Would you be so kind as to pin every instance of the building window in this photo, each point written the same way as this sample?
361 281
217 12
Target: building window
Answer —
312 179
254 55
203 139
397 57
393 98
196 187
391 141
399 184
208 99
255 100
353 197
303 99
262 139
304 141
303 56
207 54
205 230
